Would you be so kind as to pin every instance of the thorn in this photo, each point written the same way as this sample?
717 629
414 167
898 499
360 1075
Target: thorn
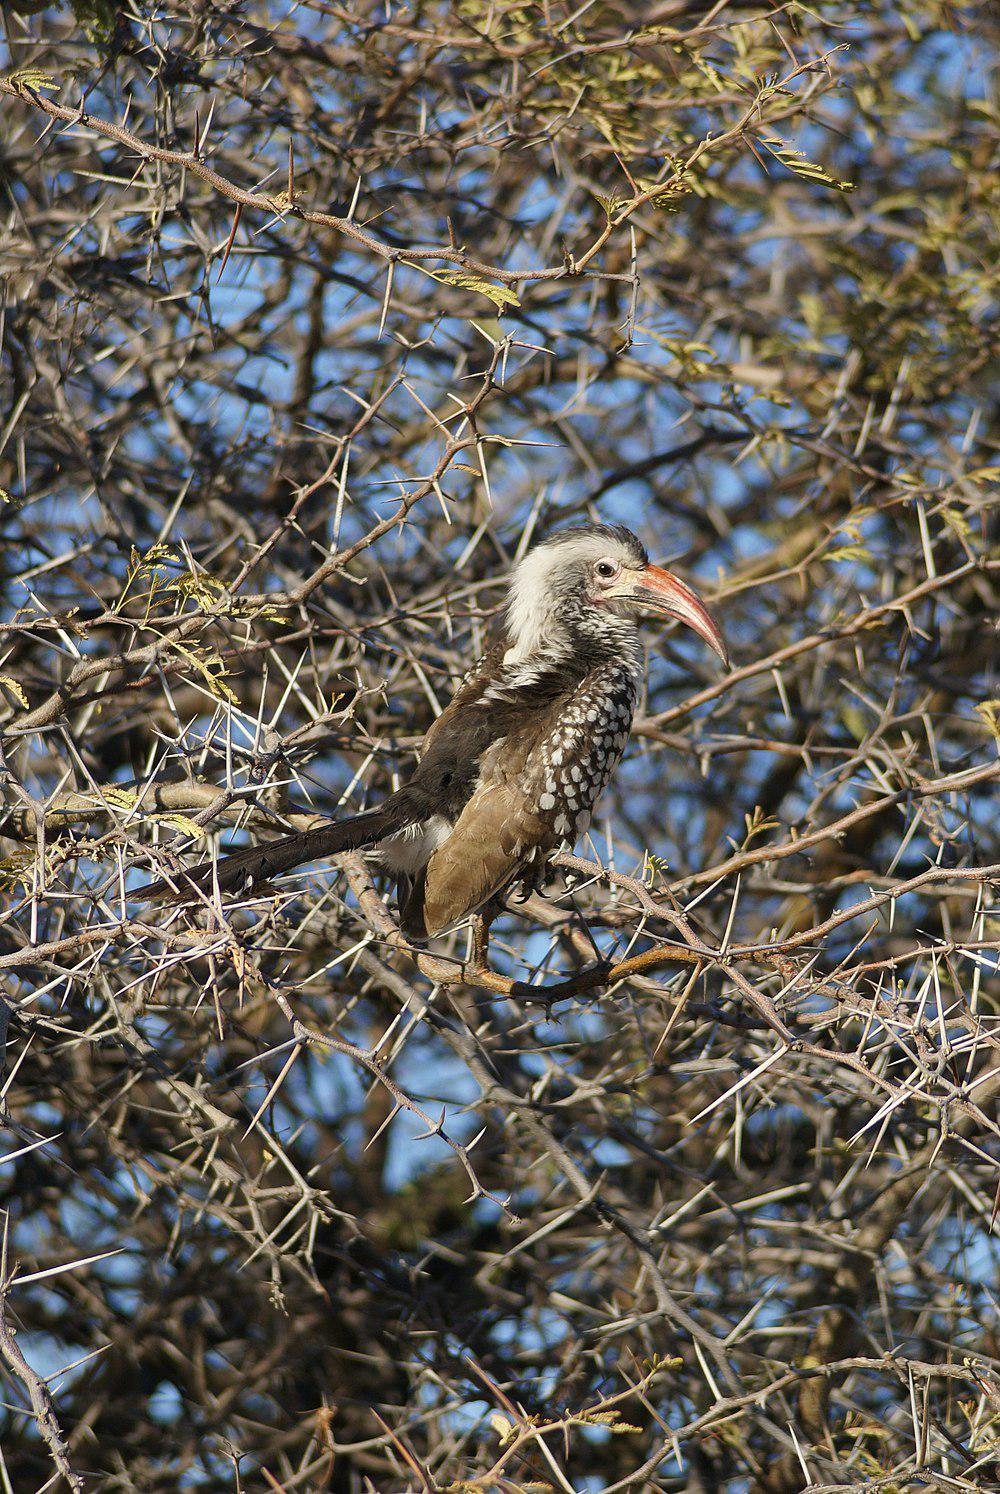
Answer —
748 140
231 240
631 180
385 298
434 1128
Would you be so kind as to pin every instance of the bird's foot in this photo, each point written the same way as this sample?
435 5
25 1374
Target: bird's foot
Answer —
586 982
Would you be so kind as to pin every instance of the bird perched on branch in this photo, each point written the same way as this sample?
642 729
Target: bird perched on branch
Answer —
515 764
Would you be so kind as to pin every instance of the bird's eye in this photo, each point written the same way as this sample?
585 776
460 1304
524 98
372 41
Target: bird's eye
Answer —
606 569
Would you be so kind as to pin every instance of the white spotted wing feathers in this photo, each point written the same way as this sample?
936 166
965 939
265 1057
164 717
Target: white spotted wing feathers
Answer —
537 787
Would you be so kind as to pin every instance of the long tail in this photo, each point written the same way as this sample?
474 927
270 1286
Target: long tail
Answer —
244 870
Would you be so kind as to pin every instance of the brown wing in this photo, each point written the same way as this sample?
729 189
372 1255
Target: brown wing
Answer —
469 693
501 827
494 836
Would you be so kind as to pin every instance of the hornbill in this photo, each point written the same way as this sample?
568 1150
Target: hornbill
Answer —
515 764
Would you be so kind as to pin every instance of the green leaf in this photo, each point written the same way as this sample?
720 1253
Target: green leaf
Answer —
31 80
500 295
210 666
16 870
610 204
988 712
797 163
96 18
609 1419
182 822
10 683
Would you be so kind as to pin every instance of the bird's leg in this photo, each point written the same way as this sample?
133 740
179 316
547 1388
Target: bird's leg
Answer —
481 925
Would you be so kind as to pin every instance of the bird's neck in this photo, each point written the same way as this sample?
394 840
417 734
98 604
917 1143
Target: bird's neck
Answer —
571 646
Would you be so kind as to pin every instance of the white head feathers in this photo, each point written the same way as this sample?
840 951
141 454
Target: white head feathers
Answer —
547 582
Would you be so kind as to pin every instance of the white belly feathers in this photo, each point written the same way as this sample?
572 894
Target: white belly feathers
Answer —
408 852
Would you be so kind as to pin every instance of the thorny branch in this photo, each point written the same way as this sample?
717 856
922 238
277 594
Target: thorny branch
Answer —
42 1407
307 328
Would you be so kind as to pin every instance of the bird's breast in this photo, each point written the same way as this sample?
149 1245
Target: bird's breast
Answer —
579 755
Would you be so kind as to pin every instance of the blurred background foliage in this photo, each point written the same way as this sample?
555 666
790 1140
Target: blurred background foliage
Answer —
312 316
